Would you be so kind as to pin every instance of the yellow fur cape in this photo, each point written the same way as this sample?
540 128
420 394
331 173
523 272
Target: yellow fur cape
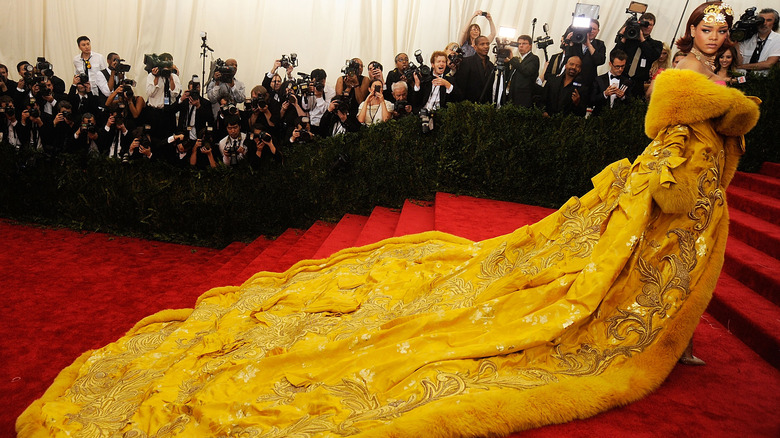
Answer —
433 335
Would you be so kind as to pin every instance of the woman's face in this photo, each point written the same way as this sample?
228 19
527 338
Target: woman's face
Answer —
475 31
664 56
708 38
725 60
677 59
276 83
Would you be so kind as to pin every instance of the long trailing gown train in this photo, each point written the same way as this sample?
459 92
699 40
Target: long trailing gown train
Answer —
435 335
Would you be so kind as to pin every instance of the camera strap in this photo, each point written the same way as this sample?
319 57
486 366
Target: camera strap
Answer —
167 93
635 62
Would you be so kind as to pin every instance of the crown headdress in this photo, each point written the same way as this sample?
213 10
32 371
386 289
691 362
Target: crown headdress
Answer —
716 14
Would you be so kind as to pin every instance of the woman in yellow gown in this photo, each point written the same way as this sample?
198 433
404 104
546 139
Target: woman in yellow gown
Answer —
434 335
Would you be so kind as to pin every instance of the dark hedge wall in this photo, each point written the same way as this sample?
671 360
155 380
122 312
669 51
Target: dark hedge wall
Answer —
511 154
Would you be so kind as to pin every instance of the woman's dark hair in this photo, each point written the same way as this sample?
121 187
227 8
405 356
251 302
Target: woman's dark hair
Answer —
685 43
733 66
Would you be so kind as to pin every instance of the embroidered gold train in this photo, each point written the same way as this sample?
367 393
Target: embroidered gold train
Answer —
434 335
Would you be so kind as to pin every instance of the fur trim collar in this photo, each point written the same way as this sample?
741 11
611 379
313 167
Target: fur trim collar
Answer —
685 97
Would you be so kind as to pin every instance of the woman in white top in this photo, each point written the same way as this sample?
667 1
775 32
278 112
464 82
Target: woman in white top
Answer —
374 109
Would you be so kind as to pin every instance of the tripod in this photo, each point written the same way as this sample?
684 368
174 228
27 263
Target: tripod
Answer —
205 47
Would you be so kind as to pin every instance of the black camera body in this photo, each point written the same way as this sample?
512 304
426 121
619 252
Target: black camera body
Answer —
456 57
633 28
83 79
121 67
291 61
426 120
342 103
207 139
351 68
747 26
226 74
255 103
88 127
152 61
425 71
400 106
44 67
127 87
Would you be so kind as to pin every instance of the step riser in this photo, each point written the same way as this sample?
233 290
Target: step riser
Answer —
757 183
767 345
769 213
762 242
752 276
771 169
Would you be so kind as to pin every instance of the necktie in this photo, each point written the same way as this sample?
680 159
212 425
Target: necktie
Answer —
635 62
757 52
116 144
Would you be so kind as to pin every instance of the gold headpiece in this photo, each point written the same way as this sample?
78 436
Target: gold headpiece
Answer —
716 14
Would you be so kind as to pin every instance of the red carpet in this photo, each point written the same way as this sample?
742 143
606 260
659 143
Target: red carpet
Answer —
68 292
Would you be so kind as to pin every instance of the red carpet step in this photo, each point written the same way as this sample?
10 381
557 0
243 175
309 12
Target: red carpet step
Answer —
343 236
268 260
303 248
761 206
478 219
766 185
756 232
228 266
770 169
416 217
381 225
749 316
754 269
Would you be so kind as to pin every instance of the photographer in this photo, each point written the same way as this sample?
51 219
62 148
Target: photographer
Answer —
439 91
63 127
273 81
132 104
224 85
401 105
376 72
194 111
291 108
761 51
592 52
641 52
86 138
143 147
6 85
93 65
202 154
14 133
38 126
555 66
523 71
375 108
469 35
338 119
116 139
163 89
397 74
232 147
301 132
353 84
81 97
46 97
262 151
475 74
257 112
316 104
563 94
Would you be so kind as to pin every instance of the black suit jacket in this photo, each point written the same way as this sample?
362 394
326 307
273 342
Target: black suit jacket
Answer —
473 78
590 62
651 50
421 97
597 99
557 98
554 66
203 115
522 79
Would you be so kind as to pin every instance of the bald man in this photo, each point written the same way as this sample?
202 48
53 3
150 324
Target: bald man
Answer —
228 88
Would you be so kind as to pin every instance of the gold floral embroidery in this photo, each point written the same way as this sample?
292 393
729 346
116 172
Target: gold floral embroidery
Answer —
710 194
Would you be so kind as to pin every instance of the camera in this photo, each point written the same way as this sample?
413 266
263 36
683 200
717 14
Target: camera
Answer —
426 120
206 138
262 136
83 79
400 106
255 103
503 52
229 109
226 73
351 68
127 87
456 56
291 61
44 67
88 127
122 68
8 110
152 61
34 113
747 26
633 26
425 71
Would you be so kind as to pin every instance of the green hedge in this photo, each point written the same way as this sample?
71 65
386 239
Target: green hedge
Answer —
511 154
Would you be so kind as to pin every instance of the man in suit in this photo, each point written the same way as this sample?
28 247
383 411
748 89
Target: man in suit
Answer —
641 54
436 93
475 74
611 88
523 71
592 52
563 94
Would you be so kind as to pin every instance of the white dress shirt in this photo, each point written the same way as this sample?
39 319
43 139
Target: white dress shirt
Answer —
96 78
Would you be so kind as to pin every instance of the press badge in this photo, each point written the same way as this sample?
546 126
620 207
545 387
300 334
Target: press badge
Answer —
642 63
166 100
